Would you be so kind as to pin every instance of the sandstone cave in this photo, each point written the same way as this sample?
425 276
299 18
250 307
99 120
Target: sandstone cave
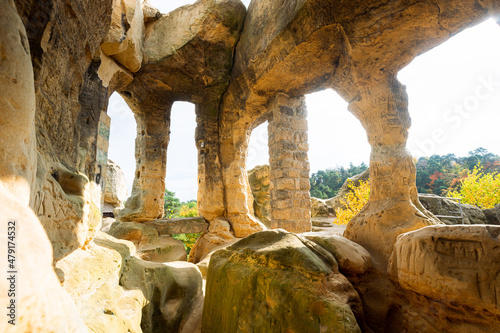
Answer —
256 268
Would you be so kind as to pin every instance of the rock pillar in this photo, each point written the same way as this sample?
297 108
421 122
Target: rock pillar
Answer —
393 207
238 199
210 185
146 200
17 105
289 176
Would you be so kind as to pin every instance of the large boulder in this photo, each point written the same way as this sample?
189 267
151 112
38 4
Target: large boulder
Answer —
457 266
163 249
274 281
91 276
447 207
138 233
173 290
125 39
258 179
115 192
151 246
351 257
493 215
319 208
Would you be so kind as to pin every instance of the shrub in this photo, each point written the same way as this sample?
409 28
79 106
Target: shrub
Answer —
189 209
479 188
188 240
353 201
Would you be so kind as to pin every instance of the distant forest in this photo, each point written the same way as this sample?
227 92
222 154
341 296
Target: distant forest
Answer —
438 174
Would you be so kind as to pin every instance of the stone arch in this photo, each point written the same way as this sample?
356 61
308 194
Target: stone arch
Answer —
359 60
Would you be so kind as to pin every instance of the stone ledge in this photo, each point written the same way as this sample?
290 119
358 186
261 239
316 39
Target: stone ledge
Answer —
182 225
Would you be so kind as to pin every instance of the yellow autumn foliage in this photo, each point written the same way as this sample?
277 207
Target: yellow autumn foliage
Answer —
353 202
479 189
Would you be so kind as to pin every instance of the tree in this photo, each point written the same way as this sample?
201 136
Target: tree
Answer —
189 209
326 184
479 189
354 201
440 174
172 205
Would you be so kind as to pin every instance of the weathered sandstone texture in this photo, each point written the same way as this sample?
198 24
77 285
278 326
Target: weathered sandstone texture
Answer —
447 207
117 291
42 305
70 105
17 102
319 208
351 257
273 281
174 291
115 191
125 38
258 178
457 265
91 276
289 166
151 246
219 234
188 55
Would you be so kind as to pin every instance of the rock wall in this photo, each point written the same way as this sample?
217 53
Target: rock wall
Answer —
69 103
18 154
33 298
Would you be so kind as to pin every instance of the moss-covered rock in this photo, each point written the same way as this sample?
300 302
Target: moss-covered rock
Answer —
273 281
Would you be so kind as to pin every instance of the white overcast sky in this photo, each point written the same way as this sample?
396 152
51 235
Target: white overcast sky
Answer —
454 95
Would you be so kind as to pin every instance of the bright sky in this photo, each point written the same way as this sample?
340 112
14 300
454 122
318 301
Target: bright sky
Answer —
454 98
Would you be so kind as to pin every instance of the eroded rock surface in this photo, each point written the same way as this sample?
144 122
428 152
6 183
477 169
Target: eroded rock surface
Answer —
91 276
188 55
351 257
115 191
457 267
42 305
319 208
273 281
447 207
174 291
151 246
17 102
493 215
219 234
258 178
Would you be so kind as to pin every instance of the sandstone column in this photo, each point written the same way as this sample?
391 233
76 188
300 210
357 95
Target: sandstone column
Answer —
238 199
393 207
146 200
210 185
289 176
17 106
